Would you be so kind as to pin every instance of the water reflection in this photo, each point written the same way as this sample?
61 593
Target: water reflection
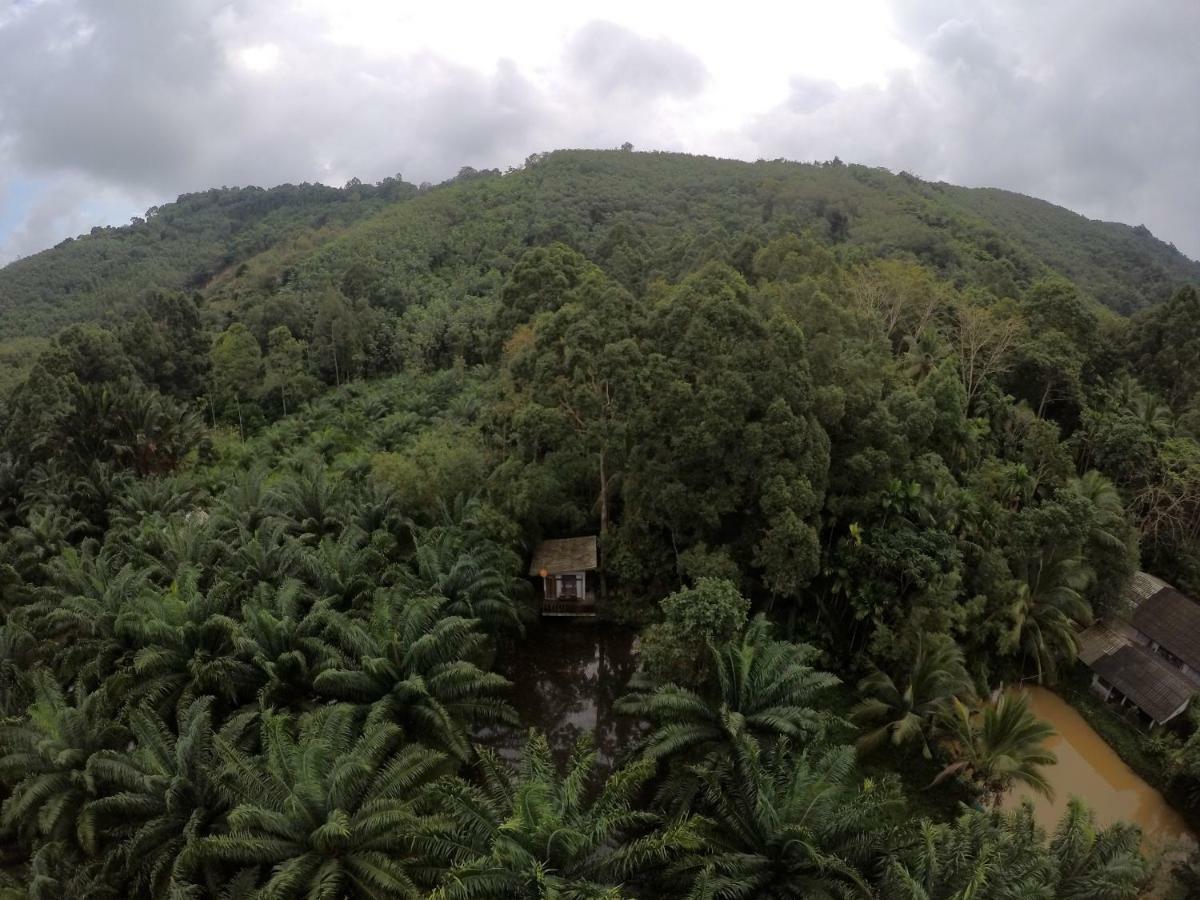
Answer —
1090 769
567 675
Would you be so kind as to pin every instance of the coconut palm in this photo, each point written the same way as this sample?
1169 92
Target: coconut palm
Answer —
1110 519
418 667
760 689
329 810
999 744
1047 610
43 762
159 799
789 826
912 709
532 833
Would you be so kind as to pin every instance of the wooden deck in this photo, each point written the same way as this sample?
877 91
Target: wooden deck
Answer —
569 606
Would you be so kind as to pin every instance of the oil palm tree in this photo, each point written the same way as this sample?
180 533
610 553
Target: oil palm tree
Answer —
418 667
472 583
979 856
1048 607
43 763
912 709
79 615
342 571
789 826
188 641
310 505
760 689
999 744
1101 863
280 633
1004 856
329 811
159 800
532 834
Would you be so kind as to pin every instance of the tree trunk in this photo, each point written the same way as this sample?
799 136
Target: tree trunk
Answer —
603 521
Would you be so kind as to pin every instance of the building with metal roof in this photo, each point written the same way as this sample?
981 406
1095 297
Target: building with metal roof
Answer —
1151 657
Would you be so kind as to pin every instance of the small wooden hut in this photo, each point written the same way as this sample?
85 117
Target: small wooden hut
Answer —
567 567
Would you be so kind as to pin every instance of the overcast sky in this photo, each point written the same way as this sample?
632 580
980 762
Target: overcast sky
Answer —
107 108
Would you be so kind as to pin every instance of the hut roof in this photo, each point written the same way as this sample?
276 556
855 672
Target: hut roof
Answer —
576 554
1159 689
1173 620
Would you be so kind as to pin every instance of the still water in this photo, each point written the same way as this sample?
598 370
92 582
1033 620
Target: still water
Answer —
1090 769
567 675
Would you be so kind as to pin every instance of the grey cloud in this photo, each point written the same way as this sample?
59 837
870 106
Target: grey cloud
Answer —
146 100
616 60
1090 105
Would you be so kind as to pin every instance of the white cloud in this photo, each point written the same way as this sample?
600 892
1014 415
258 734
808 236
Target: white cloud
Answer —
133 102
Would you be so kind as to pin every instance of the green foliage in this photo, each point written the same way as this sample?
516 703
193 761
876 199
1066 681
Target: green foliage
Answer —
676 650
811 411
327 811
759 689
534 833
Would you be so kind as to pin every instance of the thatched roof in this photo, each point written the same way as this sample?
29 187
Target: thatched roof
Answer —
1173 620
576 554
1157 688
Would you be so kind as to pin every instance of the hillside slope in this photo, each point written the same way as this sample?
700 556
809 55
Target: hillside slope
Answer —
660 212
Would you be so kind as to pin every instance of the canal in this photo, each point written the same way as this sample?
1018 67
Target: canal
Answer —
1090 769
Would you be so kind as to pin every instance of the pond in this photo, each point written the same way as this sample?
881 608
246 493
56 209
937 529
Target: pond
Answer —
1090 769
567 675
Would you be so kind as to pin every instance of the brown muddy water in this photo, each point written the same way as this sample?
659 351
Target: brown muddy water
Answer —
567 675
1088 768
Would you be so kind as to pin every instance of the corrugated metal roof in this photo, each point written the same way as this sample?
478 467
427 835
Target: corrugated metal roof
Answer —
1173 620
1141 586
1157 687
560 555
1100 640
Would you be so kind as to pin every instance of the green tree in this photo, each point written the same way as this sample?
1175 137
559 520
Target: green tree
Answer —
676 650
236 366
416 666
997 744
536 834
284 368
329 811
912 708
760 689
790 826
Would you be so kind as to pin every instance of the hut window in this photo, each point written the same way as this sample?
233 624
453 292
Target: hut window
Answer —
567 586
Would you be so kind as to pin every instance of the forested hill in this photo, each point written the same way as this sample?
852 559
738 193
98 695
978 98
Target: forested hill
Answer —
664 212
179 245
855 453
